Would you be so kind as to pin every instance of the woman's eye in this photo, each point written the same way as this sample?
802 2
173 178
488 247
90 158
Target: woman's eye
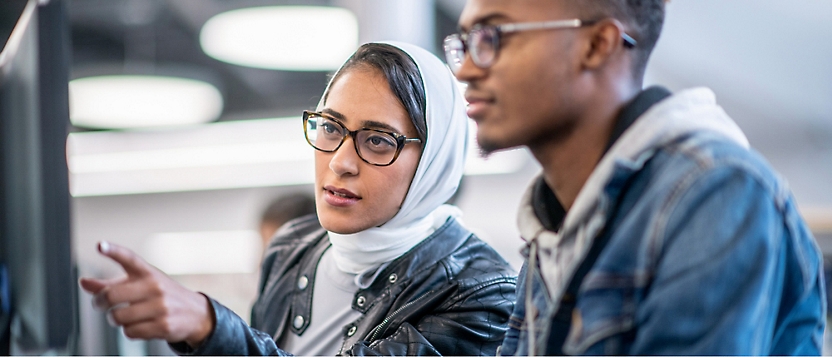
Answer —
380 142
330 128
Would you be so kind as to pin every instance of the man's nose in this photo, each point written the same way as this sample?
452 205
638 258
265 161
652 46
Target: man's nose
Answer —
468 71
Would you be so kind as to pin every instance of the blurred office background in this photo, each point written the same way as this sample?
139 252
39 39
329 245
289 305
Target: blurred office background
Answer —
186 120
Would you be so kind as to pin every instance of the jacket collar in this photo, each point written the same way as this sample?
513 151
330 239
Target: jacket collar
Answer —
547 209
688 112
425 255
395 275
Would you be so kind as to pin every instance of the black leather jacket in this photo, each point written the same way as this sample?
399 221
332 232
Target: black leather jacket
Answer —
452 294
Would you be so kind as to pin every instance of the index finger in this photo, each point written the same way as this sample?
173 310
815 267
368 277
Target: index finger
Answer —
134 265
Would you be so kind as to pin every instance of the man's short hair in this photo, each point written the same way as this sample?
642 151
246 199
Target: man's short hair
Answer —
644 19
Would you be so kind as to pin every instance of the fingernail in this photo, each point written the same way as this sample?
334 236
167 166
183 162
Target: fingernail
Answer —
99 302
110 319
103 247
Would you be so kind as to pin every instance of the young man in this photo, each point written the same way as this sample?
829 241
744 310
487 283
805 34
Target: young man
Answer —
653 229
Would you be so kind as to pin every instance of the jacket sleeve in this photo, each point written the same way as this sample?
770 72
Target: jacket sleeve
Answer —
474 324
231 336
733 276
515 324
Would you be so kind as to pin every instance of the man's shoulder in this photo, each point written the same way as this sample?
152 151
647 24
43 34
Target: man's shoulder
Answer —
699 157
703 176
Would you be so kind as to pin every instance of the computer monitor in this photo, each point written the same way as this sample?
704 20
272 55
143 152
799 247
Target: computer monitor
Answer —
38 290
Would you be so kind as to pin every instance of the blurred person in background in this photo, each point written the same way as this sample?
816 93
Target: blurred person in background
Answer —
653 228
281 210
386 268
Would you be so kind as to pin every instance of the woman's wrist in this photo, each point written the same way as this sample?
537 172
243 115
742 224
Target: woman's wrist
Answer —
205 324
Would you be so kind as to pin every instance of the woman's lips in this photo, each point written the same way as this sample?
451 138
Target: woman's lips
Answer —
340 197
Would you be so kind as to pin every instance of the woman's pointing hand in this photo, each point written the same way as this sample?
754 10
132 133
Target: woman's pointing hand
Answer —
149 304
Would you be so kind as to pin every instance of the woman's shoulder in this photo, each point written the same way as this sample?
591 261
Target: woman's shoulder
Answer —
473 259
301 230
477 260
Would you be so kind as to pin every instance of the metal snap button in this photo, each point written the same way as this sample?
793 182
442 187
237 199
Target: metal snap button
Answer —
298 322
303 282
351 331
360 301
392 278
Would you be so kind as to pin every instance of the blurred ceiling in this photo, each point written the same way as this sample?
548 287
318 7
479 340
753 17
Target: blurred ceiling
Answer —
162 37
769 62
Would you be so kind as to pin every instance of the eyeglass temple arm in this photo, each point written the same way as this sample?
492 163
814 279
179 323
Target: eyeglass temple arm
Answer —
629 41
539 25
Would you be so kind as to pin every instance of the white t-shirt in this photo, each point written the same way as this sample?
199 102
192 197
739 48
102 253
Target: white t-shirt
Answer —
332 296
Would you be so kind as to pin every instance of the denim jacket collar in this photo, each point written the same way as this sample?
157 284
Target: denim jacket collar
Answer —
682 114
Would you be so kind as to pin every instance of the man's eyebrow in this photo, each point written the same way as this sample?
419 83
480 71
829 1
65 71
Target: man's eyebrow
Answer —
485 20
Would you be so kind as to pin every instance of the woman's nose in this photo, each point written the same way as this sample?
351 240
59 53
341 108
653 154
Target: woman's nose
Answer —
345 160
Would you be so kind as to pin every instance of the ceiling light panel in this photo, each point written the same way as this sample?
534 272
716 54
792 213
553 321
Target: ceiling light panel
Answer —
294 38
131 101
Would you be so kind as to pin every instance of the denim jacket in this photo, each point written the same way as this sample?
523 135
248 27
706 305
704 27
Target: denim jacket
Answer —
706 254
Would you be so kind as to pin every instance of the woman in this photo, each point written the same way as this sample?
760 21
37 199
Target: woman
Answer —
386 268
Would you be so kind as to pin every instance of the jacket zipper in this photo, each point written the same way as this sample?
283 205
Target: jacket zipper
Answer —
376 330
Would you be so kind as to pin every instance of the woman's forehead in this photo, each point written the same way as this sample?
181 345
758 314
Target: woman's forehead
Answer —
363 98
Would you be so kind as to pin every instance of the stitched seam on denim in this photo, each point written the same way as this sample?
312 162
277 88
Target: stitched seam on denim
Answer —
779 195
691 148
514 322
694 177
624 324
570 347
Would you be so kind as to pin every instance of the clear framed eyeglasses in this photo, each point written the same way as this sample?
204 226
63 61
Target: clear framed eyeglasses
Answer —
483 42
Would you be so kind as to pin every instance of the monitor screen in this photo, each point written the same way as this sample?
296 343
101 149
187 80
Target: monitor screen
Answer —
37 286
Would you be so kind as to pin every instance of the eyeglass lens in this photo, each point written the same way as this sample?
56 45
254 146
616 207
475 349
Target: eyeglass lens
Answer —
373 146
481 43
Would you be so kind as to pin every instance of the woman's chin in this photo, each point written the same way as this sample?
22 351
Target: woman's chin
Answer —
342 226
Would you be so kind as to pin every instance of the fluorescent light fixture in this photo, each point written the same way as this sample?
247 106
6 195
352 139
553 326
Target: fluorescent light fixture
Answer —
294 38
130 101
215 252
226 155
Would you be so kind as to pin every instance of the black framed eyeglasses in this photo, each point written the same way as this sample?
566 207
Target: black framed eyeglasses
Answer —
375 147
483 42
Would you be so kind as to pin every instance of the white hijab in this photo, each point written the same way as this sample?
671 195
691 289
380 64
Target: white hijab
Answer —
436 180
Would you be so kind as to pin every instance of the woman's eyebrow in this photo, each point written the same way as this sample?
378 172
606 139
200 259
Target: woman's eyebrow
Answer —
334 113
372 124
378 125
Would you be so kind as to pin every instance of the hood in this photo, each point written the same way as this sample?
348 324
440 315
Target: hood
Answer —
687 112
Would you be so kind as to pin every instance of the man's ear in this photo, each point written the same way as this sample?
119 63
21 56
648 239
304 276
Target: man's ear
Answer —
604 41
